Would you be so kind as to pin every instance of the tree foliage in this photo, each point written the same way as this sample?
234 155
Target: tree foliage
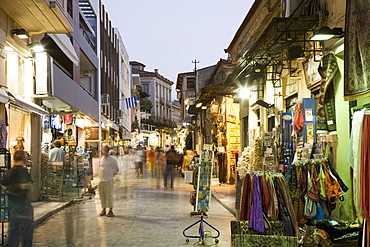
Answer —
145 104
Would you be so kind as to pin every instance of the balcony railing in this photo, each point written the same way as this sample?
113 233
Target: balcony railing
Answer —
162 122
147 127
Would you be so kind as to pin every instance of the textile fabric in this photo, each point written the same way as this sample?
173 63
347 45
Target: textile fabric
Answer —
256 219
365 169
326 102
242 227
240 240
357 54
246 198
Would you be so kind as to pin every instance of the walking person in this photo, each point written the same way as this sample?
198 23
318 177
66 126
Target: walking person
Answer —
172 159
108 168
17 182
139 159
150 154
160 164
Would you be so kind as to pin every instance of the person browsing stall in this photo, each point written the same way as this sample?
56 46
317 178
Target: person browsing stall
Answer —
57 154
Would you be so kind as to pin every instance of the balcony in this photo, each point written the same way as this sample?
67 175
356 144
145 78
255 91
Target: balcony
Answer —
147 127
40 16
162 123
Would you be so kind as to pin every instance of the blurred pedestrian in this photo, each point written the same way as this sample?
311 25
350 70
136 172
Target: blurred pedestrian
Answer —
160 164
139 159
17 182
172 159
108 168
150 154
124 169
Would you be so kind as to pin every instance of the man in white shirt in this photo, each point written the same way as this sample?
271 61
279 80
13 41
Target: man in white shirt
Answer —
139 159
108 168
57 154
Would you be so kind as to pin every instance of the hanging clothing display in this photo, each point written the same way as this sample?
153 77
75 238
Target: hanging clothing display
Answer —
222 161
256 220
365 169
258 211
326 104
314 189
355 156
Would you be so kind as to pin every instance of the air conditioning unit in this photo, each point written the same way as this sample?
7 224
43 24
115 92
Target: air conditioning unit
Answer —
105 99
120 114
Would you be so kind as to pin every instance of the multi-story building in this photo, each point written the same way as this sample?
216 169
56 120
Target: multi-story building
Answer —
34 80
125 115
54 93
160 91
109 77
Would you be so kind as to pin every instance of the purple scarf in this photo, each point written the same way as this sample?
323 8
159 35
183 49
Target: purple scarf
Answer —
256 220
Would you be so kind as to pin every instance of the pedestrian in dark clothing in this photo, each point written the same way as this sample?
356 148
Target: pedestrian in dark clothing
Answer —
17 182
172 159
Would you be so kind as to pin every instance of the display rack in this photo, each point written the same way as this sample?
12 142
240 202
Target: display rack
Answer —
54 176
84 170
205 167
4 206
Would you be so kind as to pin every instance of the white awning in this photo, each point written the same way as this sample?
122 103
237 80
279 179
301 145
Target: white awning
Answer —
66 46
4 98
127 136
30 106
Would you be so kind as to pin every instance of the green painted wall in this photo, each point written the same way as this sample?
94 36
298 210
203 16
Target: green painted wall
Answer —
344 209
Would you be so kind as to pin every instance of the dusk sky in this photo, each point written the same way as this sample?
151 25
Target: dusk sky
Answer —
169 34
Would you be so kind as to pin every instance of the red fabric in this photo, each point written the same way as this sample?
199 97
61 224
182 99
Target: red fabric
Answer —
246 198
67 118
265 195
365 168
298 121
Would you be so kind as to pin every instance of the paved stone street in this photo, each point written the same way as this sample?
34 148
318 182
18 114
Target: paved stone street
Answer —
148 216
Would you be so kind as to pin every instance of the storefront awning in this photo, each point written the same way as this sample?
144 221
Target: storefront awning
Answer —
4 98
66 46
115 126
127 136
30 106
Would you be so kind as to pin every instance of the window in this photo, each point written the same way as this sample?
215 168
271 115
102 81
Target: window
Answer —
146 88
69 8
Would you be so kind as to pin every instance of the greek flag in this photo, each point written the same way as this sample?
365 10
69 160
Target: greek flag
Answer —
131 102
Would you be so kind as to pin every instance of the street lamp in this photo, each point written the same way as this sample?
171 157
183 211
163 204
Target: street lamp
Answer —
325 33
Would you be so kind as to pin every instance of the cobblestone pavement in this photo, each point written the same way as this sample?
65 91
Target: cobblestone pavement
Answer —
147 216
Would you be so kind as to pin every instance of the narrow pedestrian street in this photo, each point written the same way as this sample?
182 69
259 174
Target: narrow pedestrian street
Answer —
147 216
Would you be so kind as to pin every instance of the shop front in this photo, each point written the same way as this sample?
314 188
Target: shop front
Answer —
78 136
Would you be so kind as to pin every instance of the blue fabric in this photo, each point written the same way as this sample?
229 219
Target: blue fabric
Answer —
319 213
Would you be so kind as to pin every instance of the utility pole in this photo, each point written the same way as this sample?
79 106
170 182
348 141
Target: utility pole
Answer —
195 95
195 70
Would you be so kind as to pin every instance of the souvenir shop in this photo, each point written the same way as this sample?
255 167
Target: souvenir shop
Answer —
295 186
226 136
80 143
